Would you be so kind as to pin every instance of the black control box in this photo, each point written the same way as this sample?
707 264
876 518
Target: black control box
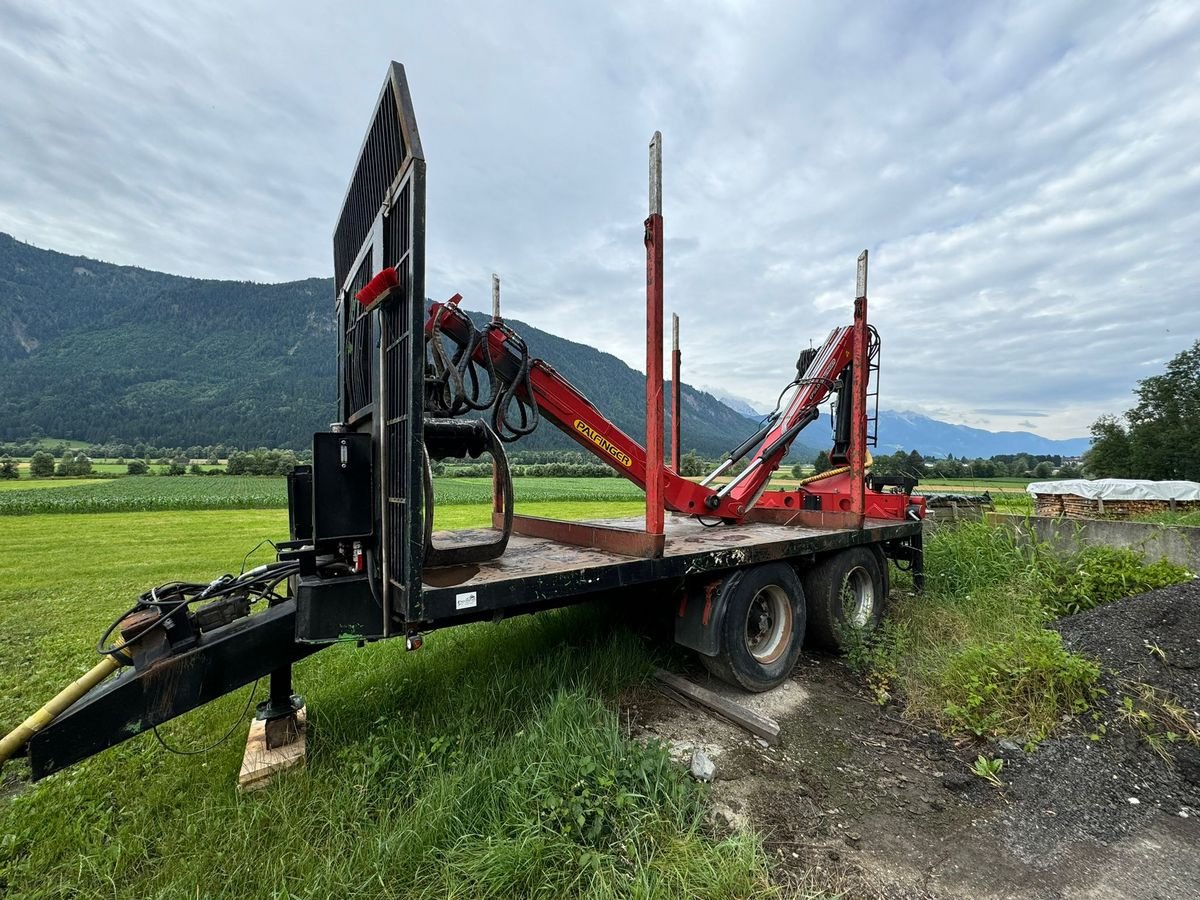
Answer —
343 506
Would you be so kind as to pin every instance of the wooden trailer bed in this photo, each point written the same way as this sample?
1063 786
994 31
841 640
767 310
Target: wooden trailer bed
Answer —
541 571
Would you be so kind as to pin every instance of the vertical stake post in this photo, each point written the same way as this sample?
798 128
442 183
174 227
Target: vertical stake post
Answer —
858 401
654 344
675 361
497 487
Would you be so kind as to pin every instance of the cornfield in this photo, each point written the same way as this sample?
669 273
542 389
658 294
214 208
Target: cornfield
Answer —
158 493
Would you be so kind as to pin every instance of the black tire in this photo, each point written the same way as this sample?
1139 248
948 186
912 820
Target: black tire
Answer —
855 573
761 629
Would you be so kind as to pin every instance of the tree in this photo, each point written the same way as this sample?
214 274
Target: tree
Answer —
177 466
1109 455
8 469
1070 471
947 468
1043 469
916 464
66 463
1164 427
137 467
822 463
1160 437
983 468
41 465
691 465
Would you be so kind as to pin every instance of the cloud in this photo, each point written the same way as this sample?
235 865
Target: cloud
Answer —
1029 414
1025 176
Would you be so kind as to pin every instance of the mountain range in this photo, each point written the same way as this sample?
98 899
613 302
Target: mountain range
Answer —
930 437
898 430
95 351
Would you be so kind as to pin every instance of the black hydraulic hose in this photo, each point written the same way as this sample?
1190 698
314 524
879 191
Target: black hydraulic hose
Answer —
505 429
445 388
177 595
469 373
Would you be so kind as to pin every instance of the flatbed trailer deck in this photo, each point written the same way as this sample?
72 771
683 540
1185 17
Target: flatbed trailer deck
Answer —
537 571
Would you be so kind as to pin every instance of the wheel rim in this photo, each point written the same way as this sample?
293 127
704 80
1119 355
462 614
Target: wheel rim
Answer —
769 624
859 597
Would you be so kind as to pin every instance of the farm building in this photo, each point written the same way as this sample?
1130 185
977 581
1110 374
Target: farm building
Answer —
1114 497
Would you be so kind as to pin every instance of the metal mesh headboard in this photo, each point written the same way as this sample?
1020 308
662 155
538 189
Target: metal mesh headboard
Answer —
382 224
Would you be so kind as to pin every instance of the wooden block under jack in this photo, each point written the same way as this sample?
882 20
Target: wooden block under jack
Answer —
261 762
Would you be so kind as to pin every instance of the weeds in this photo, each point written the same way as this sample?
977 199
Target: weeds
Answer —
1020 685
973 652
1157 717
988 770
1099 575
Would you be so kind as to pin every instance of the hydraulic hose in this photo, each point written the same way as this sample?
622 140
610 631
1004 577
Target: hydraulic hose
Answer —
20 736
840 470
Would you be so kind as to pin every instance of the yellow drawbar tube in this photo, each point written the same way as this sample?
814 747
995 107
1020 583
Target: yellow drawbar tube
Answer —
19 736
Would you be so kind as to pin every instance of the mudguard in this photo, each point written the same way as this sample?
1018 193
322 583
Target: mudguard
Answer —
698 620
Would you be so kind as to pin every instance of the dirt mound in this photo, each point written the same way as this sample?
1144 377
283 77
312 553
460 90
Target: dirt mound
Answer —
1153 638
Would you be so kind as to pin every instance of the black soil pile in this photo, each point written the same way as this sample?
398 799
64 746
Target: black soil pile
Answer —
1153 638
1112 772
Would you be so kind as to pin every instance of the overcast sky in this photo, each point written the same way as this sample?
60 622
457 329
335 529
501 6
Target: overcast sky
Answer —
1026 175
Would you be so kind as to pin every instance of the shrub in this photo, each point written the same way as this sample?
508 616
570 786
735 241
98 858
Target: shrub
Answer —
973 652
1021 684
1099 575
41 465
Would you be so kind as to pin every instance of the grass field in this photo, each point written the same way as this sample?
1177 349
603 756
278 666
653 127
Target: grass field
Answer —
148 493
490 764
145 493
99 467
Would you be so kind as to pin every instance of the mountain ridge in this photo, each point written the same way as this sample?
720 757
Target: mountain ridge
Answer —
907 430
96 350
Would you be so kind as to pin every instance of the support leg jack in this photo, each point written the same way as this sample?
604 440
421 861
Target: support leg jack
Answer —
277 735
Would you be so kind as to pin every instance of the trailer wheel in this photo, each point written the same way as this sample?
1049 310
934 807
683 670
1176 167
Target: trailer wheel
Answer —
846 591
761 629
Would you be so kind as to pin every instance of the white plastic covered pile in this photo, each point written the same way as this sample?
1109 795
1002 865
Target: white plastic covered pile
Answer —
1118 489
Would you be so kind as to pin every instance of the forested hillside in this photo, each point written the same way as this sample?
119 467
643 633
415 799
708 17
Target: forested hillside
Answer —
93 351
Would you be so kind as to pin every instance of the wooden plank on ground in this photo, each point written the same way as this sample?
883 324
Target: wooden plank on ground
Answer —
260 763
765 728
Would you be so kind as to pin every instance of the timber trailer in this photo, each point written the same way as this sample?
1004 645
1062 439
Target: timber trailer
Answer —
748 571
